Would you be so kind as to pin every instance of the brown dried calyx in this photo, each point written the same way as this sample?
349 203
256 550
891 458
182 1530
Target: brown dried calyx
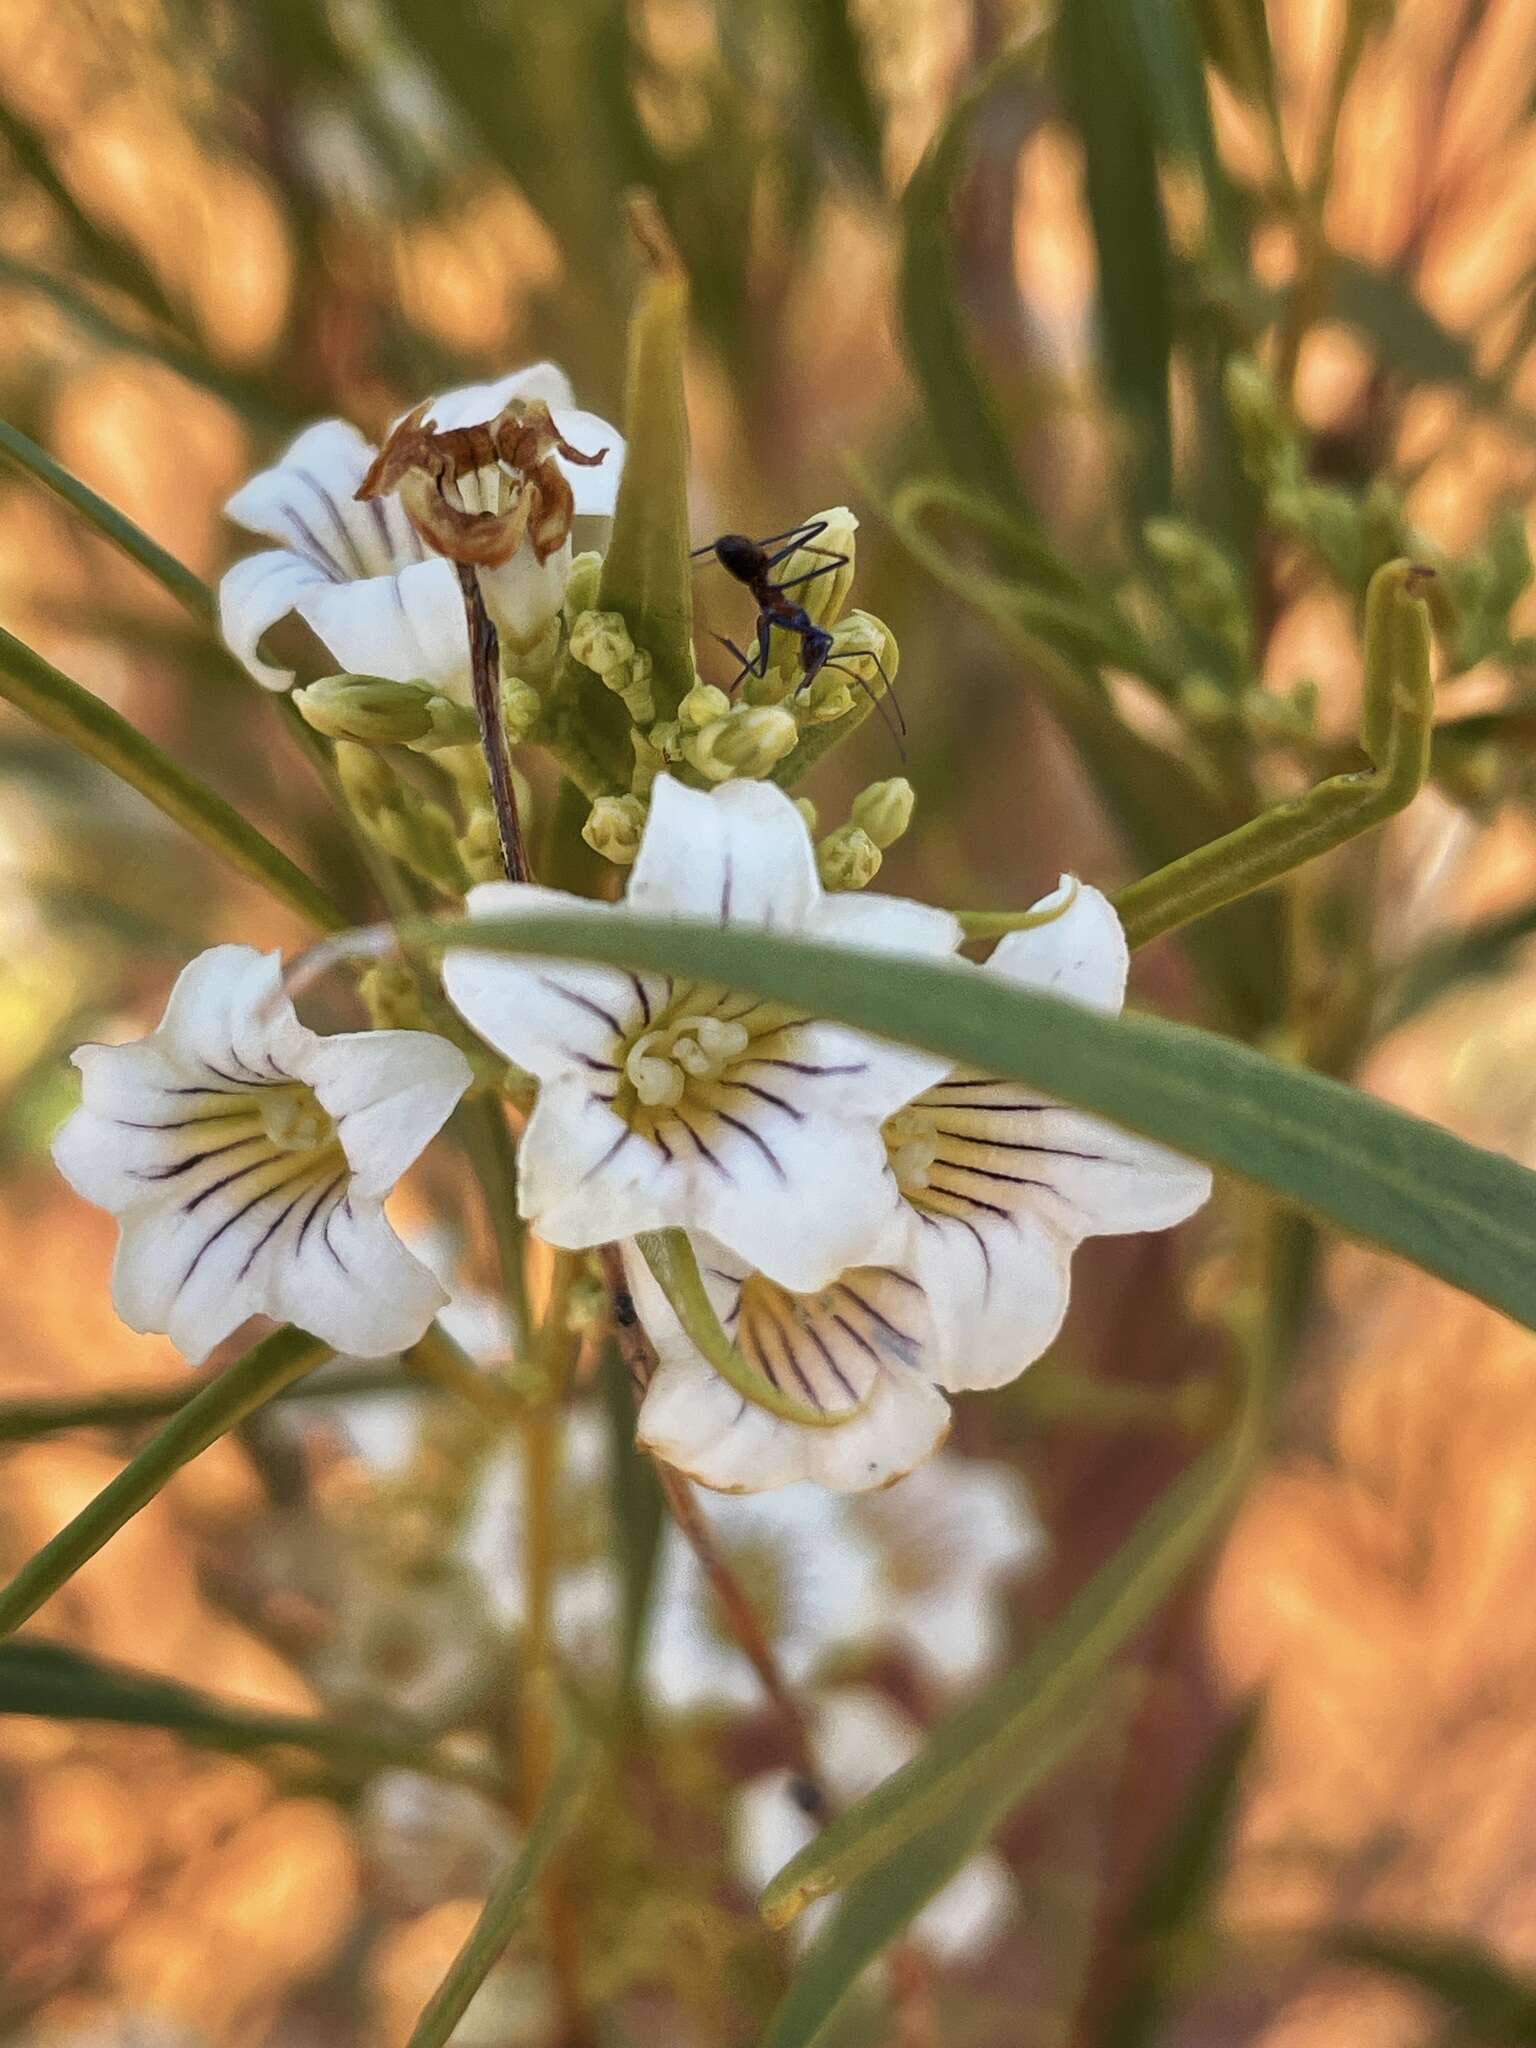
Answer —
476 493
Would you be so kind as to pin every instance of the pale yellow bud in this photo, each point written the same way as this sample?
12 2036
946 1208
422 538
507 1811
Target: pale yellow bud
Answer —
581 585
520 708
884 810
750 743
847 858
807 811
600 641
373 711
829 697
614 827
703 705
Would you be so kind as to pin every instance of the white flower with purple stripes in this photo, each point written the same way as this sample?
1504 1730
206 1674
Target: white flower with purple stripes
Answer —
358 572
670 1103
998 1184
248 1160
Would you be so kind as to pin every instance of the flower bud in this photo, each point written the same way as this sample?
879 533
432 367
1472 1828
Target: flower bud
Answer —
520 708
1204 702
807 811
600 641
847 858
884 810
750 742
1205 585
829 697
1264 435
703 705
373 711
392 997
826 594
614 826
581 585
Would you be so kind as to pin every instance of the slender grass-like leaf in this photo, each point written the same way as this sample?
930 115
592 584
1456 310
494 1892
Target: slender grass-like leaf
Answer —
635 1501
1372 1171
1235 36
83 721
188 589
963 412
875 1910
1104 86
1485 948
834 69
647 575
1490 2002
245 1386
505 1906
1175 1899
58 1683
27 1421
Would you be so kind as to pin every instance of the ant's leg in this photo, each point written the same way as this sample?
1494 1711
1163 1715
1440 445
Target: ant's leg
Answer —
885 702
798 538
828 568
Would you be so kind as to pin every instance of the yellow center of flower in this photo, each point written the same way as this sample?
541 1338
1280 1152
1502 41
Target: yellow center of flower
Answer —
709 1055
696 1047
293 1119
912 1147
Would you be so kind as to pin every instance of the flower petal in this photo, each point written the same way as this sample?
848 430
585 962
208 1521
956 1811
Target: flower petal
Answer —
1081 955
524 594
171 1146
696 1422
229 1021
390 1092
739 854
307 500
594 487
551 1016
997 1288
884 924
1000 1149
253 596
584 1177
470 405
339 1271
407 627
801 1198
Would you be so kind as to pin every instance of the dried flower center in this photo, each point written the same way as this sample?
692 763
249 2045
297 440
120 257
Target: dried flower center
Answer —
293 1119
912 1147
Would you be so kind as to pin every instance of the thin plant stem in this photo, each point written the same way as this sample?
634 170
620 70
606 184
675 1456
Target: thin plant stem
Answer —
485 677
60 705
740 1616
26 1421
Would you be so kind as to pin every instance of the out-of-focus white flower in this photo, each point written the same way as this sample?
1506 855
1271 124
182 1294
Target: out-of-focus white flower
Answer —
429 1840
997 1184
915 1568
585 1607
360 573
248 1160
859 1739
664 1102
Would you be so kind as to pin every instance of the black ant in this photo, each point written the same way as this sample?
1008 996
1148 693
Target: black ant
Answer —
752 565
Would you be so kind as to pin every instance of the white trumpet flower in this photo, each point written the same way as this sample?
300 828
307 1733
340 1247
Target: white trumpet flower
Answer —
665 1102
248 1160
361 574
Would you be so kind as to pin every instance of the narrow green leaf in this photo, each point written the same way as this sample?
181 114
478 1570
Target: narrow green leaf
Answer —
1177 100
636 1513
963 412
1013 1715
1387 310
58 1683
834 70
878 1907
504 1908
254 1379
189 590
1104 87
26 1421
83 721
1391 1179
647 574
1235 36
1174 1900
1491 2002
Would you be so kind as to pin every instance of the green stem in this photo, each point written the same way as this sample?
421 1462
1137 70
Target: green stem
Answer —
124 1408
35 687
504 1908
675 1269
212 1412
188 589
1397 714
